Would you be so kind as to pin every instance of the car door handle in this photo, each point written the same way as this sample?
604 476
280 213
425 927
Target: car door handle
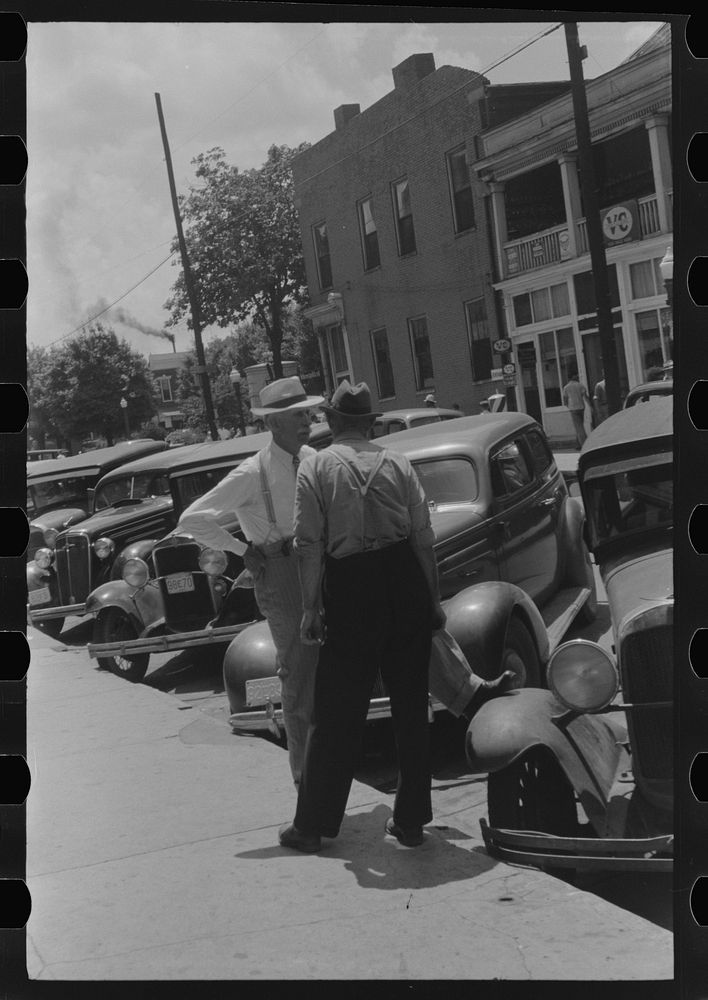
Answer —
469 572
550 502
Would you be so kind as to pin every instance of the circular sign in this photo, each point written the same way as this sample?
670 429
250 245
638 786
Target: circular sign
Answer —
509 369
501 346
617 223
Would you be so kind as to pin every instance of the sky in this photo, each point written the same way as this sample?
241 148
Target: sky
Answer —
99 214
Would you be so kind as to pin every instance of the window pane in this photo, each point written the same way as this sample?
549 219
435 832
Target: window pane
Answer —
449 480
339 354
541 305
560 300
480 341
382 363
540 453
404 218
522 310
510 471
461 190
566 354
322 253
422 359
549 367
642 277
369 235
649 339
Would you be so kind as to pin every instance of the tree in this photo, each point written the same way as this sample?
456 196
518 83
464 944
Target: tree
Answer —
39 425
243 241
77 387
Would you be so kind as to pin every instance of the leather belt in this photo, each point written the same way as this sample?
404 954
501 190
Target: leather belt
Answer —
283 547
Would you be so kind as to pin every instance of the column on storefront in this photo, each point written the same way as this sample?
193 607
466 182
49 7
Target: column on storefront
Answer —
659 146
501 232
571 198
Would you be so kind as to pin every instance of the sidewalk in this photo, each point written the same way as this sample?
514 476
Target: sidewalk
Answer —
152 855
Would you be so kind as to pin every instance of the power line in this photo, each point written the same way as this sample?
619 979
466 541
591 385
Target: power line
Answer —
114 303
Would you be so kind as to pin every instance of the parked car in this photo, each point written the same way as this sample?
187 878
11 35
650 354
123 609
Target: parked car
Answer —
133 506
402 420
514 569
649 391
579 778
567 462
58 489
172 593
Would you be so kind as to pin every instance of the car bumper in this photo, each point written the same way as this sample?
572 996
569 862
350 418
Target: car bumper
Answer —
35 615
630 854
166 643
267 715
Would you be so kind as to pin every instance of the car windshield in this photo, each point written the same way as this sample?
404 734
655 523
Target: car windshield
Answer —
448 480
129 489
628 502
55 493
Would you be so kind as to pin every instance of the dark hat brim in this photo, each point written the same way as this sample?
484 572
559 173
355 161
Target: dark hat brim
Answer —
342 413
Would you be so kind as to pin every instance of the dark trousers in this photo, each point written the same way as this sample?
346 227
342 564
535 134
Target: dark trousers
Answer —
378 616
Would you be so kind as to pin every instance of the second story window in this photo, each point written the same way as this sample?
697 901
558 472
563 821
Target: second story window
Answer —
480 339
324 266
369 234
382 363
460 190
404 217
165 383
420 348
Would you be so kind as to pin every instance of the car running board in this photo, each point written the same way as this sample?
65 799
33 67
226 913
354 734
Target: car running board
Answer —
559 613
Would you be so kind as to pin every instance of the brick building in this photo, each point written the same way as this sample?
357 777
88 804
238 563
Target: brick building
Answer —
542 261
397 241
165 369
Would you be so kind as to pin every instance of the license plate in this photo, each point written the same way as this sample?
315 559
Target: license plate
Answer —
179 584
262 690
41 596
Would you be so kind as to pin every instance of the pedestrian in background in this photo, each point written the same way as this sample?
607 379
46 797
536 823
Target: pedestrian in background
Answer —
575 397
368 575
430 400
261 492
599 398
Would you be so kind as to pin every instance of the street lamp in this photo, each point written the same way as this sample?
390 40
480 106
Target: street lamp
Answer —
124 408
235 379
666 266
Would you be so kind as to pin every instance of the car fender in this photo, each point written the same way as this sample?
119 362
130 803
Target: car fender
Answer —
251 654
575 553
136 550
478 618
587 747
144 606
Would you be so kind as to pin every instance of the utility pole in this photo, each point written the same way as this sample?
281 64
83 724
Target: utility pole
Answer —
191 290
596 243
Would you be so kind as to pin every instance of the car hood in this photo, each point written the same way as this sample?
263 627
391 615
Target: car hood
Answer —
449 522
59 519
114 518
644 580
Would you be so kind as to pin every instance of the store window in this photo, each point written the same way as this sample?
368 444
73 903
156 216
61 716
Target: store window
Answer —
324 266
460 190
543 304
645 278
584 286
655 339
480 340
369 234
558 360
420 349
382 363
404 217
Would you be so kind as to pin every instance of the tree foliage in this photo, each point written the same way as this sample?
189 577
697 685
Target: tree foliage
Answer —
75 389
244 246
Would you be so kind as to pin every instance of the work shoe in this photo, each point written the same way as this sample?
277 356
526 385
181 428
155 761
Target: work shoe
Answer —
488 690
290 836
411 837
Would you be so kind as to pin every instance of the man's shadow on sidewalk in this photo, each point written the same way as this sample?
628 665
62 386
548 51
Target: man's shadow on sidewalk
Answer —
378 861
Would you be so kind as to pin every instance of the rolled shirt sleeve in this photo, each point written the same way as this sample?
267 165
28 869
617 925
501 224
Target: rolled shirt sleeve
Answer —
202 519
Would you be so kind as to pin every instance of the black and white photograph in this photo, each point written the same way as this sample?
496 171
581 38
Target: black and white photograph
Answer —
350 490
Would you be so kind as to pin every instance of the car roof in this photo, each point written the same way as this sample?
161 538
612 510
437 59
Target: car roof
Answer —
660 387
483 430
95 460
629 426
193 455
417 411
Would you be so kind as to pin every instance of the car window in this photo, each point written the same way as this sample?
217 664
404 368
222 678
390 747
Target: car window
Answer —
55 493
425 419
626 503
541 456
194 485
448 480
388 427
510 472
135 488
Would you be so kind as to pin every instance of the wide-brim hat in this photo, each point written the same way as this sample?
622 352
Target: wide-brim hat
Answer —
282 395
351 401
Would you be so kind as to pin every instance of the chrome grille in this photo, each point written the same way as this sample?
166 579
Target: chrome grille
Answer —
191 610
176 559
73 567
646 664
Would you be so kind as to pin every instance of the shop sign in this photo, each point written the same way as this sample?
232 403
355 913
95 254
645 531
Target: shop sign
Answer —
620 224
496 374
510 380
512 259
501 346
564 244
509 369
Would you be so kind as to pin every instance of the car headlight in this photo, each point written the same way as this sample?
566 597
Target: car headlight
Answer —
213 562
104 547
583 676
44 558
50 537
135 572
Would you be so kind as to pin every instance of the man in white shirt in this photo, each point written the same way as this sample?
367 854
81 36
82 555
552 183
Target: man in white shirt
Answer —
261 491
